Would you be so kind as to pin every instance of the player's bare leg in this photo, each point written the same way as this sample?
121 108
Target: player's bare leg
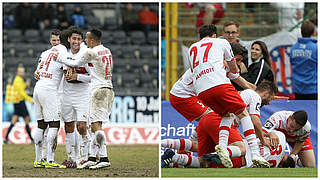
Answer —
307 158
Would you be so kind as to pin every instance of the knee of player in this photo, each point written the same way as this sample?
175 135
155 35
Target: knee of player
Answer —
82 129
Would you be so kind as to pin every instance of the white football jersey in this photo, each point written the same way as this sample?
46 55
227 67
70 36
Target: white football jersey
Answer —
253 103
183 88
100 67
206 60
51 72
273 156
81 87
278 121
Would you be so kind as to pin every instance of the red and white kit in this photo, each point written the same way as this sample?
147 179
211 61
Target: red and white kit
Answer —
273 156
278 121
45 95
184 99
209 75
253 102
101 95
76 94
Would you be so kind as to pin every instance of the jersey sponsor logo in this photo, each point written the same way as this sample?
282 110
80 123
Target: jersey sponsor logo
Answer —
268 125
205 71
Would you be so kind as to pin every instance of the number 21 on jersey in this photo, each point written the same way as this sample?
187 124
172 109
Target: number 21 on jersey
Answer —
107 60
194 54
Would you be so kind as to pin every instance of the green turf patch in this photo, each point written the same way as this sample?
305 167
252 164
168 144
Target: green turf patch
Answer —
246 172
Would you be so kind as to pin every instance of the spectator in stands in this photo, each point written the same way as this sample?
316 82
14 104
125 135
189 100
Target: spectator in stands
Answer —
130 18
20 108
44 15
290 13
148 19
304 63
61 17
260 68
210 13
24 16
78 18
8 18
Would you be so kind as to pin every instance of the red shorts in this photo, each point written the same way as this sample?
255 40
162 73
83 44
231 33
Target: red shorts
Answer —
208 133
306 146
190 108
223 99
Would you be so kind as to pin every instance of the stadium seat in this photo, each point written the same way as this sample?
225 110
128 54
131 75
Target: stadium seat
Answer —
111 23
38 48
46 36
136 66
15 35
153 65
128 52
106 38
137 37
32 35
22 49
146 52
120 37
146 81
115 51
153 37
93 21
129 80
121 65
8 49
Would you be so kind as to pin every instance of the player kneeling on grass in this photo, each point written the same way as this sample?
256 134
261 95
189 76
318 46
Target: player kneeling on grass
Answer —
297 128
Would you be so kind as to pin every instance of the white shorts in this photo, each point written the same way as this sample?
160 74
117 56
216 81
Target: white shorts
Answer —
75 108
101 104
46 104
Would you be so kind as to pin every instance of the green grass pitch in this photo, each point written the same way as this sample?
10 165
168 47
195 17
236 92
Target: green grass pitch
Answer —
248 172
126 161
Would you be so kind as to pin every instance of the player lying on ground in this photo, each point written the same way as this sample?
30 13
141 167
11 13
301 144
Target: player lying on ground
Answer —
297 128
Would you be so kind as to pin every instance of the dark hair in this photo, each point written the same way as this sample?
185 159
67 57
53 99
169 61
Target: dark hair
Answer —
96 34
55 32
229 23
238 49
64 38
301 117
307 29
267 85
289 163
74 30
207 30
264 50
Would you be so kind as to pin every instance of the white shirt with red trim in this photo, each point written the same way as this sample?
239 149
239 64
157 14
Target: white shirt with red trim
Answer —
184 88
206 60
278 121
51 71
273 156
253 103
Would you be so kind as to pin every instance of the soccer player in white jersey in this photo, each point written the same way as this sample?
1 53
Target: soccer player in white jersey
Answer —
206 58
101 95
297 128
54 40
75 100
46 103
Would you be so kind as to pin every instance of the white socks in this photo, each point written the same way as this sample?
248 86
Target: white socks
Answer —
70 145
38 140
52 134
250 135
178 144
234 151
101 142
224 127
186 160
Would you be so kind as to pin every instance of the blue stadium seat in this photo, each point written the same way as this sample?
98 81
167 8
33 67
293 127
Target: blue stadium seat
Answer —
22 49
111 23
32 35
153 37
106 38
93 21
137 37
146 51
15 35
128 51
120 37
